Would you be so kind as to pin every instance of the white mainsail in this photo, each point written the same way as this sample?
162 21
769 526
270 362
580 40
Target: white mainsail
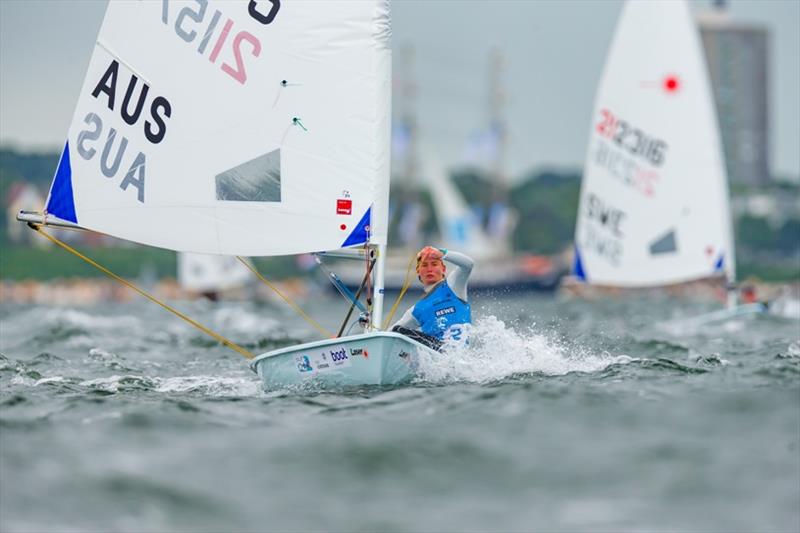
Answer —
236 128
460 228
654 206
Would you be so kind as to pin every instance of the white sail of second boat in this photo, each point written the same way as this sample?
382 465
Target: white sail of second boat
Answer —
654 199
460 228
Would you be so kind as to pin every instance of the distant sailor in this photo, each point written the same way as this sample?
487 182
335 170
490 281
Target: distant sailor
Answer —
443 313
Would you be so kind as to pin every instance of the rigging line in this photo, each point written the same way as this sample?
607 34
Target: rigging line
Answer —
230 344
358 294
368 278
286 299
406 284
338 283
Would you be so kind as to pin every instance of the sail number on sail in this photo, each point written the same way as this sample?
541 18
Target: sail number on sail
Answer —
188 20
627 141
632 139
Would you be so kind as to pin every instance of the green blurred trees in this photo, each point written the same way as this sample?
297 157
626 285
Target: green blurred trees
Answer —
545 202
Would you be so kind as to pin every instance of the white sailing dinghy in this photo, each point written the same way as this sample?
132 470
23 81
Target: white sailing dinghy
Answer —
654 208
242 128
211 275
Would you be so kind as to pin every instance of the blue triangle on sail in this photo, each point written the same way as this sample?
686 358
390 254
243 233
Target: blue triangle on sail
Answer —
577 266
720 263
360 233
61 202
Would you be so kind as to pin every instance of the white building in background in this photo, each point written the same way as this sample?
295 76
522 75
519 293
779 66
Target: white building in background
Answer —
775 208
738 55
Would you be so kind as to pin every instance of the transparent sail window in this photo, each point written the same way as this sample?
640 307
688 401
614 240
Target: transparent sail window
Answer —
258 180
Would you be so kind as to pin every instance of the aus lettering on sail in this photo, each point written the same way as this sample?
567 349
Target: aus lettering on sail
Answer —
121 147
130 106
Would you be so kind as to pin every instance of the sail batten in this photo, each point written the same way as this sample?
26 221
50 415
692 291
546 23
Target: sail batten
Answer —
200 128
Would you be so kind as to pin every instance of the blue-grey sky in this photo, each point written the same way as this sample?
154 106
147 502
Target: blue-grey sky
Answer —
554 53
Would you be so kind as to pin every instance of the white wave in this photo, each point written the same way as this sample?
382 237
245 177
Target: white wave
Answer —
794 349
213 386
84 320
111 415
54 379
217 387
115 383
496 351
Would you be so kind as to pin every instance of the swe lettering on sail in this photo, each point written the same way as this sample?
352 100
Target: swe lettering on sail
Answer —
130 109
603 233
605 214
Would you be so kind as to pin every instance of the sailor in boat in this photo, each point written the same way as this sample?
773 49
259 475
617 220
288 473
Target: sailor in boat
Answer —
443 312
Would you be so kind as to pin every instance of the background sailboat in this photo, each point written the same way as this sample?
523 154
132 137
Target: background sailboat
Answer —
654 208
212 276
484 236
497 267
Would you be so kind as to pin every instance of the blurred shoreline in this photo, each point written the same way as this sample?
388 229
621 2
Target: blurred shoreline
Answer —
78 292
90 291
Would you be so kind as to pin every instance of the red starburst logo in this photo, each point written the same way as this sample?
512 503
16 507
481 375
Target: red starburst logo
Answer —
672 84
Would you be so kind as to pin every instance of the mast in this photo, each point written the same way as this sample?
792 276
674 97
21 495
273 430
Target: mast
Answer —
407 86
497 123
405 152
377 296
379 224
498 224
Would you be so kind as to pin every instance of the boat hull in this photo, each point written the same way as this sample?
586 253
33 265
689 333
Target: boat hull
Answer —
379 358
712 288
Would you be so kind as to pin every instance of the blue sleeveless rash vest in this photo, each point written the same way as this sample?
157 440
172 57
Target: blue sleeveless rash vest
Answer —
441 313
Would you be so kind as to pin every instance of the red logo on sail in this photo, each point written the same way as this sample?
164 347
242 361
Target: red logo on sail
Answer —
344 207
672 84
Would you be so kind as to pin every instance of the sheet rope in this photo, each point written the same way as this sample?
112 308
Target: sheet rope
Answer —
227 342
286 299
406 284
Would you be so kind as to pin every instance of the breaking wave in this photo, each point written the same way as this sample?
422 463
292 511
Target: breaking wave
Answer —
497 351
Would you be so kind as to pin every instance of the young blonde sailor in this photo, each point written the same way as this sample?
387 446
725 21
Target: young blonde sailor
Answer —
443 312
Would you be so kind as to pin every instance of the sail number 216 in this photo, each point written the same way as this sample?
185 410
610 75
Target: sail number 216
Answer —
192 25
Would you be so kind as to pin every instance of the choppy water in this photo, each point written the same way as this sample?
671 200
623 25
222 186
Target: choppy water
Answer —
568 416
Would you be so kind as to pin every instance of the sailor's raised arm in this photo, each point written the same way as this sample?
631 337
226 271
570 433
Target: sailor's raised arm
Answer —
459 277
